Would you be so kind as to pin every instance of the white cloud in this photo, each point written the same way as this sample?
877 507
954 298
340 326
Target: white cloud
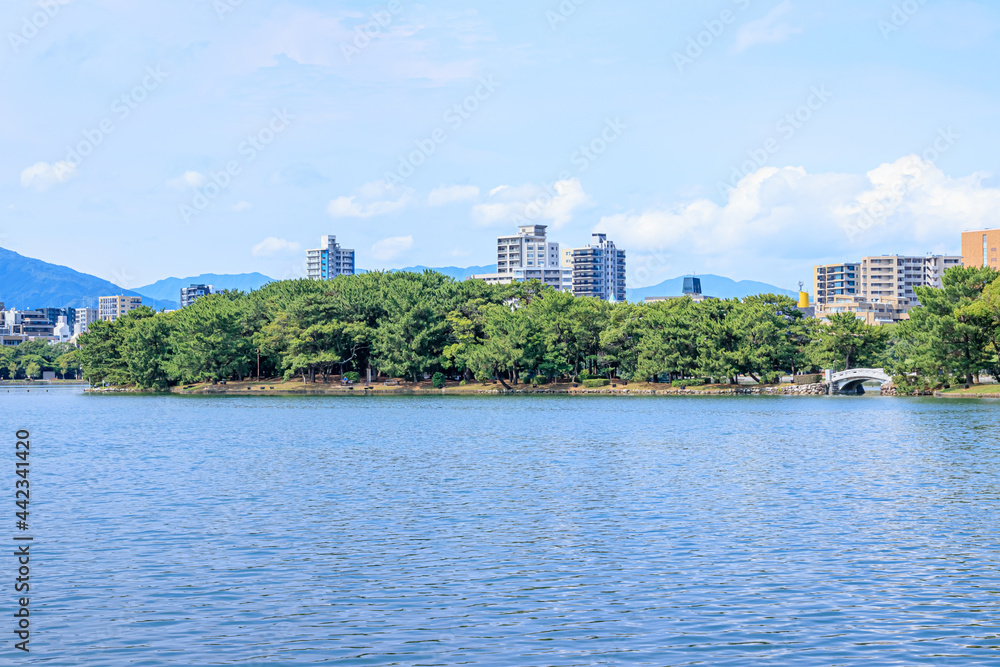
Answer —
391 248
784 216
274 246
190 179
43 175
373 199
239 207
450 194
767 30
531 203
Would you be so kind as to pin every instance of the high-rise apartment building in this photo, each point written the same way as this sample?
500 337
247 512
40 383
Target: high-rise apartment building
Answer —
880 288
110 308
529 255
979 249
896 276
329 260
598 269
192 293
832 280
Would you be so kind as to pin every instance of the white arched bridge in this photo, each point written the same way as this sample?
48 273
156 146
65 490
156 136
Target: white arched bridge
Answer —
850 381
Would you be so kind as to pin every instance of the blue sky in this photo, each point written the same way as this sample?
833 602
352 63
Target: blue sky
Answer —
749 138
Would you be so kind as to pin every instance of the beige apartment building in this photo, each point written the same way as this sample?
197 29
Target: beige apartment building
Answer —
878 288
875 311
979 249
110 308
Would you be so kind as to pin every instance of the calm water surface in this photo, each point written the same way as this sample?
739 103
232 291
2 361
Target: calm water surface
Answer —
508 531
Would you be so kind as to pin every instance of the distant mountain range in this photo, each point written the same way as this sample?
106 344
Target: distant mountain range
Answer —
31 283
716 286
454 271
169 289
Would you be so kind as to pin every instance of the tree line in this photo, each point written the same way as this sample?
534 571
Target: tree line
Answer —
410 325
953 337
30 359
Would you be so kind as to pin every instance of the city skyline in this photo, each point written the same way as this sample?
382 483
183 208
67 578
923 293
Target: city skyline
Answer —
748 140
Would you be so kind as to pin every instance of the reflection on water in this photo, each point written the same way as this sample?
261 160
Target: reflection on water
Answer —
512 531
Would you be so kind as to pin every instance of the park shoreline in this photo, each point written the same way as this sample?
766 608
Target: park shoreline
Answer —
278 388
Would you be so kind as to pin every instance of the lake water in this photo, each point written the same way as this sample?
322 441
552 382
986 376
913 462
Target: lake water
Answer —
507 530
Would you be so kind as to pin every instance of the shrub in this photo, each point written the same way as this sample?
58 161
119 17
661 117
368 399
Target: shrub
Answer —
353 376
438 380
684 384
538 380
462 383
596 384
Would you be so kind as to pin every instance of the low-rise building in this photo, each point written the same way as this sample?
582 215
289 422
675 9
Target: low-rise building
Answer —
10 340
192 293
62 331
875 311
30 323
84 318
110 308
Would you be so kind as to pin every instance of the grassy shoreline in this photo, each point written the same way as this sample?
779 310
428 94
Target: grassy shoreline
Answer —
298 388
981 391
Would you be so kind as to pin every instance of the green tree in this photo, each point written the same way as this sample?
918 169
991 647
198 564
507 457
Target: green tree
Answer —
210 341
951 331
507 332
768 330
413 333
146 348
668 342
101 355
847 342
68 361
718 340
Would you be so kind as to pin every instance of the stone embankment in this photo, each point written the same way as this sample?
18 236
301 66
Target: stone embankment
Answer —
797 390
892 390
